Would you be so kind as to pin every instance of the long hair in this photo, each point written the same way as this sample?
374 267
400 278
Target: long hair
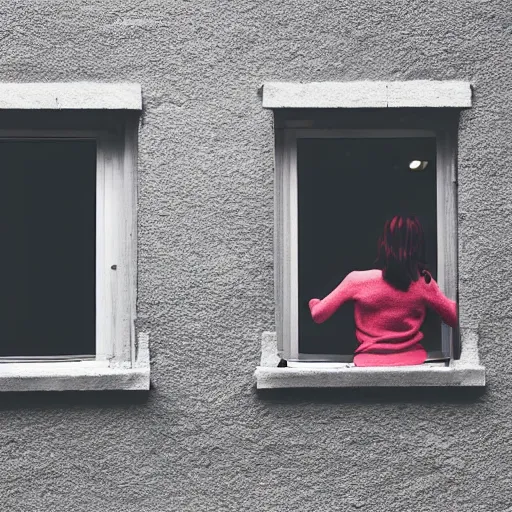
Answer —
401 251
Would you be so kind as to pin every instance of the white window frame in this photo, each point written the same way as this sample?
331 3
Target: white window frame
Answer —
330 96
121 361
286 241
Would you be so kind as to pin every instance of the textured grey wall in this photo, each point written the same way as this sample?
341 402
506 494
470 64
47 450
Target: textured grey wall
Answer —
204 440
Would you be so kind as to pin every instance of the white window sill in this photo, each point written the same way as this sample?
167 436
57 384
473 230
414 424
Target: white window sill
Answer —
77 376
466 371
354 377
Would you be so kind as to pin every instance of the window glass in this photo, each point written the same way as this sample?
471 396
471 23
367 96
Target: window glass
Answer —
347 188
48 233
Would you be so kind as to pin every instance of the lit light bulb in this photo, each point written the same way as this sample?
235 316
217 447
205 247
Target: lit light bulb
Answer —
418 165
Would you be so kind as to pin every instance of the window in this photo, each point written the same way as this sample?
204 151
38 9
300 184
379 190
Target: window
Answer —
68 205
340 172
342 185
47 203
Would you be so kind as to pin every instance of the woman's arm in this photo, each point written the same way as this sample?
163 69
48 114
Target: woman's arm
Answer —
442 305
321 310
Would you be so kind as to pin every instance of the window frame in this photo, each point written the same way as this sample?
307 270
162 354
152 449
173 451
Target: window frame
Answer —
286 226
121 361
423 104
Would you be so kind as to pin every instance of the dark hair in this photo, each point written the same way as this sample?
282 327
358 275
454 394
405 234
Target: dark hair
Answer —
401 251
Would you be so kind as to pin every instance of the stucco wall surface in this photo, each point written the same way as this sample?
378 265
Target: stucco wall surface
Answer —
204 440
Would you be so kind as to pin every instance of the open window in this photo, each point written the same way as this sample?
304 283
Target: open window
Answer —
48 211
339 174
346 183
68 209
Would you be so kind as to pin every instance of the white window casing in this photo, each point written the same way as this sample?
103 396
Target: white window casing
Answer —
287 228
284 343
122 355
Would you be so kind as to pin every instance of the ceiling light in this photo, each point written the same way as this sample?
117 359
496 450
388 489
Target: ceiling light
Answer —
418 165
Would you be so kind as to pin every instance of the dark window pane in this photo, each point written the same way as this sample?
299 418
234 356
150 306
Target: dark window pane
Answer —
347 188
48 224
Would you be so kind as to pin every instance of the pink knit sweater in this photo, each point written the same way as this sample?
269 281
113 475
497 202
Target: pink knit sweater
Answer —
387 320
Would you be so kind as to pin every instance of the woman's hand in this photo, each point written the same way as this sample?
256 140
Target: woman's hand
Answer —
313 303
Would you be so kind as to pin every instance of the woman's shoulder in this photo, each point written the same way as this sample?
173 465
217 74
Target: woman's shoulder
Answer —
365 276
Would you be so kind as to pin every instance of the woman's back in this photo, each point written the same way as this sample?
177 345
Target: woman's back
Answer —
388 320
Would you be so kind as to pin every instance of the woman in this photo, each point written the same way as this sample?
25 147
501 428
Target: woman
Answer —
391 301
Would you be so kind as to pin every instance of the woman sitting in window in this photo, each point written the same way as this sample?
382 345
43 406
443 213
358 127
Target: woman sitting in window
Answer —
390 302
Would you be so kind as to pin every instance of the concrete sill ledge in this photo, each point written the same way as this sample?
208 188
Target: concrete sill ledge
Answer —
352 377
466 371
72 376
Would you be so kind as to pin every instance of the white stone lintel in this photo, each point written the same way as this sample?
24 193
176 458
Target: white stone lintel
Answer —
354 377
70 96
367 94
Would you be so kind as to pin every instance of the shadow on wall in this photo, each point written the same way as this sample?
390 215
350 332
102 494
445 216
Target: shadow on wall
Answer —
123 399
372 395
70 399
